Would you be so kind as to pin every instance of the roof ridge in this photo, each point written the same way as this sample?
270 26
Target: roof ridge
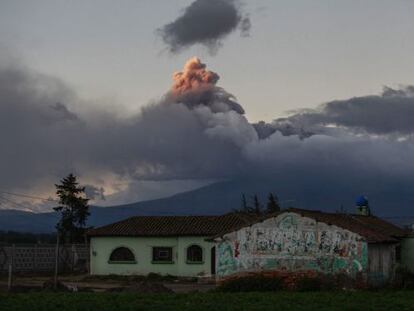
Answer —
373 229
368 227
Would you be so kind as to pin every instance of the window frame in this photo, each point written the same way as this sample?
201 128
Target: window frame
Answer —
189 261
157 260
111 261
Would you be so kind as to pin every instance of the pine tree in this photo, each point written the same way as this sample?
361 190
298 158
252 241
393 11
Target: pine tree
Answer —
256 205
244 208
244 203
74 208
272 204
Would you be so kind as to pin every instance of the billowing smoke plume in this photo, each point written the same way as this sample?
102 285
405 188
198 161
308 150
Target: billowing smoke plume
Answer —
196 86
199 132
205 22
46 133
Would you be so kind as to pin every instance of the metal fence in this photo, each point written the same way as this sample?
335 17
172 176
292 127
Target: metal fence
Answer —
37 258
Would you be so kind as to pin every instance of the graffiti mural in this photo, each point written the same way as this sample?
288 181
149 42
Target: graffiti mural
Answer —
291 242
227 262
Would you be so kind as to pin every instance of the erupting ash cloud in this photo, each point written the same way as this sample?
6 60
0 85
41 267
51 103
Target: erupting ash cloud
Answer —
196 86
199 132
48 132
194 78
205 22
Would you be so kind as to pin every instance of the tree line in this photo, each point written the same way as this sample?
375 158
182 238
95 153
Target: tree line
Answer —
254 206
74 212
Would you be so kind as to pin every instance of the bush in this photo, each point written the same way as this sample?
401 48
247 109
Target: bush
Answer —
152 276
404 278
344 281
309 283
256 283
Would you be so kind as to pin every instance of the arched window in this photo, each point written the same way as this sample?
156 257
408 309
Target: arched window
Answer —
122 254
194 254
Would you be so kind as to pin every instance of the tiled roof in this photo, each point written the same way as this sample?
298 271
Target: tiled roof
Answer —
373 229
172 225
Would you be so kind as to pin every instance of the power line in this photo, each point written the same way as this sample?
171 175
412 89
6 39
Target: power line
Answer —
15 203
28 196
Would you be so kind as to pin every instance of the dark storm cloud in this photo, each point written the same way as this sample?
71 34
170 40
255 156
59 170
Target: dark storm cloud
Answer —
46 133
392 112
205 22
94 193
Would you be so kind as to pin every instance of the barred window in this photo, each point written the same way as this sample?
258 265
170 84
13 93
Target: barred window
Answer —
194 253
162 254
122 254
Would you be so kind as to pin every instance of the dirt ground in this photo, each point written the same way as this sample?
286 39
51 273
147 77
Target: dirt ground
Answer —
102 284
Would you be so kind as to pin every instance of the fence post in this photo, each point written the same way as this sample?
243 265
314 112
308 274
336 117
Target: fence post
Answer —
35 259
56 261
88 254
73 257
9 282
11 266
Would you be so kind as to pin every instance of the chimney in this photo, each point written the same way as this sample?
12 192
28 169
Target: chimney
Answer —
362 206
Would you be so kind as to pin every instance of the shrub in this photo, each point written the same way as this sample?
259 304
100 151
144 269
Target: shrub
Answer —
312 281
254 283
343 281
309 283
404 278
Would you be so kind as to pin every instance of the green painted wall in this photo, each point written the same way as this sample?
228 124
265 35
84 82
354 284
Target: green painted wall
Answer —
407 253
102 247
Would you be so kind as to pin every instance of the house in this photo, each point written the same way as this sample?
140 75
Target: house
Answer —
302 240
175 245
290 240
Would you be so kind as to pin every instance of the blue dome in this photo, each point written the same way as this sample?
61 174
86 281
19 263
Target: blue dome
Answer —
362 201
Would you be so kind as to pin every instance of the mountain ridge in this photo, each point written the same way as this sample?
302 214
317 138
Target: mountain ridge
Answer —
223 197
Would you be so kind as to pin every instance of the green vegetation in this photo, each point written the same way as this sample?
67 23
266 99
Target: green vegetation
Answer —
358 300
74 209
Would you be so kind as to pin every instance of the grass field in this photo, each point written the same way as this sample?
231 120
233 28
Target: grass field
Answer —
383 300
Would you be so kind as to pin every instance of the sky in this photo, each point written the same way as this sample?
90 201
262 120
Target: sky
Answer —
103 70
299 53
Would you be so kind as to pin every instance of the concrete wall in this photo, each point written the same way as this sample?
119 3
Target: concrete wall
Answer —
102 247
291 242
42 257
407 253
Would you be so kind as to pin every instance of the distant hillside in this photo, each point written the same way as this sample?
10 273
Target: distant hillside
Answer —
219 198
